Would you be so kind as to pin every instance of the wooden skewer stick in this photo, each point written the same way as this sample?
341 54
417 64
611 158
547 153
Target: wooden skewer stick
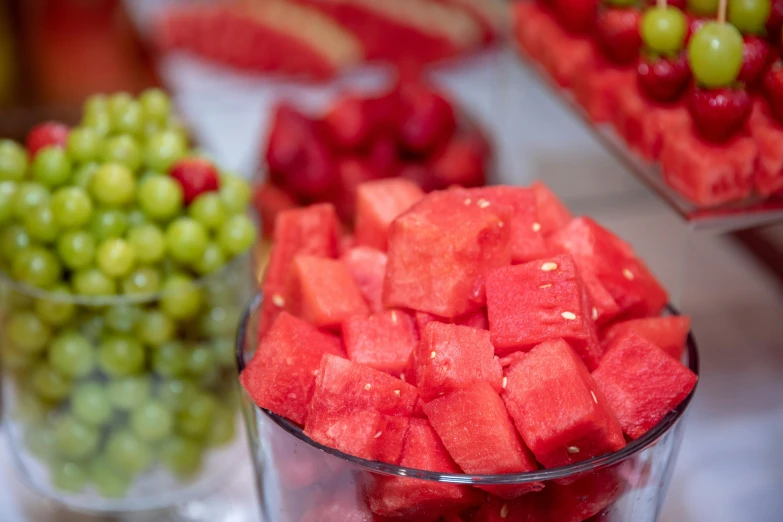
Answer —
722 8
660 4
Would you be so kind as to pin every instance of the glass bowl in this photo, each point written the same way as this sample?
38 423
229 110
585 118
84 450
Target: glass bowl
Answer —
300 480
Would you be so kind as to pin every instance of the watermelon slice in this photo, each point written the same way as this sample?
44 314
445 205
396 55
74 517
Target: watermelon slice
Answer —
378 203
602 254
478 433
281 375
359 410
598 92
557 407
641 383
552 213
269 201
420 500
768 134
545 299
323 292
451 357
667 333
441 250
383 341
368 268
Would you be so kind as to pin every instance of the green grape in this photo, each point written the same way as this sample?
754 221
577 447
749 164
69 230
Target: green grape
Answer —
148 242
224 352
237 235
186 240
136 218
221 321
91 405
51 167
108 223
76 249
160 198
201 360
715 53
27 333
142 281
84 144
13 161
37 267
118 102
176 394
182 456
58 309
40 441
74 439
100 122
115 257
93 282
69 476
181 298
13 239
107 481
703 7
223 428
28 196
71 355
170 359
82 176
41 225
155 104
95 103
152 421
208 210
128 119
122 150
155 328
120 356
127 393
749 16
196 418
49 385
163 149
7 194
127 454
211 260
72 207
123 318
113 185
663 29
16 360
235 193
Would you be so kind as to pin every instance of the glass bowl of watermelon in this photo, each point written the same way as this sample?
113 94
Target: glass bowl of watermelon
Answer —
488 358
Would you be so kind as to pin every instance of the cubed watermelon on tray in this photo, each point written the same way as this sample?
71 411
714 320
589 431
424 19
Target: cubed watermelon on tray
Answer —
599 90
552 213
441 250
558 408
667 333
768 134
368 268
571 58
281 375
545 299
383 341
378 203
479 435
641 383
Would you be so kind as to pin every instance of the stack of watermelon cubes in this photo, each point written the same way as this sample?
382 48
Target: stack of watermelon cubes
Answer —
479 331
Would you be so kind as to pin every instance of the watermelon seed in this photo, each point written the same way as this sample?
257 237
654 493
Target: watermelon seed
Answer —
500 224
378 434
546 285
482 203
549 266
628 274
289 361
397 393
394 316
595 313
278 300
568 315
573 449
402 377
595 400
432 355
536 227
367 386
467 201
504 511
505 382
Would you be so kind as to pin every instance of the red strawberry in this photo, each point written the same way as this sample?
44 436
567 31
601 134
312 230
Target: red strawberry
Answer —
196 176
578 16
773 88
775 21
347 123
719 113
427 118
617 32
755 57
289 128
383 156
460 163
383 113
664 79
50 133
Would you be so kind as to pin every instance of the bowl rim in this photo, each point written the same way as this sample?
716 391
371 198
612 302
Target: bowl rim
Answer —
594 464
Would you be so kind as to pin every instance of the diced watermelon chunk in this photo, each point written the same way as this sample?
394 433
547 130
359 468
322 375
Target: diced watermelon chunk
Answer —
476 319
641 383
383 341
545 299
281 375
323 292
667 333
359 410
441 250
599 252
269 201
532 26
478 433
570 58
557 407
378 203
368 268
451 357
581 499
604 306
768 134
552 213
415 499
643 124
598 92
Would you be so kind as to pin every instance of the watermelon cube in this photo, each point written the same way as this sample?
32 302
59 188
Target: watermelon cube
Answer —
605 308
667 333
643 124
552 213
475 319
545 299
281 375
368 268
378 203
383 341
479 435
641 383
359 410
598 92
269 201
569 57
441 250
768 134
601 253
323 292
558 408
420 500
580 499
451 357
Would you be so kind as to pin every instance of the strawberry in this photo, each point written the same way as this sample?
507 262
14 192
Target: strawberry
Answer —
664 79
773 88
775 21
460 163
427 118
383 156
577 16
720 113
617 32
196 176
50 133
755 57
289 128
347 123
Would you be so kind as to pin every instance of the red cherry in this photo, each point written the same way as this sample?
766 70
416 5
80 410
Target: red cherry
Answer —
773 88
775 21
755 57
719 113
196 176
48 134
664 79
578 16
617 32
347 123
427 118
